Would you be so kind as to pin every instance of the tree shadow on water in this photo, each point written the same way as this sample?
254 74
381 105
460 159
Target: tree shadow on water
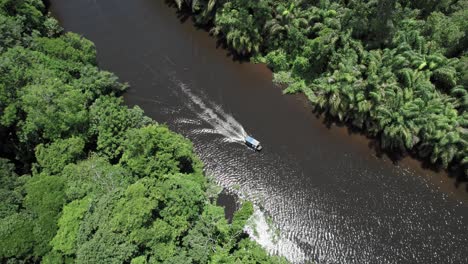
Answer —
460 180
184 14
373 142
47 4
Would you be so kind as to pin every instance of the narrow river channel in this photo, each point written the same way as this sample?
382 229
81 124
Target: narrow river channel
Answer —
326 190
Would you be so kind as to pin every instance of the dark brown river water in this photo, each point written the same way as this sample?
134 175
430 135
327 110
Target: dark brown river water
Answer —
332 199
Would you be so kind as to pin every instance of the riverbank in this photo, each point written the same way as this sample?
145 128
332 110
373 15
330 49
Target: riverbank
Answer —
304 184
453 181
88 179
345 80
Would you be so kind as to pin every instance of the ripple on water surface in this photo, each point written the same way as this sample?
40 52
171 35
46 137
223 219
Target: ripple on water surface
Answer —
332 202
369 218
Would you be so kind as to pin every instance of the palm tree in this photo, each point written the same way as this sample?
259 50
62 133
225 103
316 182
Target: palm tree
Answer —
442 132
244 42
189 3
398 120
239 27
203 8
460 94
285 19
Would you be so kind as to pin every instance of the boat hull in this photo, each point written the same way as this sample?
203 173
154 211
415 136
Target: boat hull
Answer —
253 143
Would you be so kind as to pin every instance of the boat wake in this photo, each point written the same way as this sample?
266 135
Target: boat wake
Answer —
231 169
221 122
260 229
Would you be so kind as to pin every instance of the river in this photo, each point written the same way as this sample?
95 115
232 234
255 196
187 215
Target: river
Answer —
331 196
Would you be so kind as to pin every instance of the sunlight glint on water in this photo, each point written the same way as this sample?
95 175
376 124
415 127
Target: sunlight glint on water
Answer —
220 123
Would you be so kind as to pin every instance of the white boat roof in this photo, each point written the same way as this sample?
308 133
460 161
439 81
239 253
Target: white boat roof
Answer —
252 141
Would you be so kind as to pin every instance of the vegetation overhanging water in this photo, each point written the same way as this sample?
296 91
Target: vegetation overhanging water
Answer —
86 179
423 205
397 69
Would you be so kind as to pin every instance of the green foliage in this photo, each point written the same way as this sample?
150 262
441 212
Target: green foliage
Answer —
45 195
289 20
108 184
94 176
45 198
240 218
52 27
69 223
54 157
11 191
110 121
394 68
111 186
53 110
29 10
16 227
240 23
202 8
448 32
155 151
277 60
106 246
300 66
205 238
149 214
428 6
16 232
95 83
10 32
54 257
251 253
70 47
372 21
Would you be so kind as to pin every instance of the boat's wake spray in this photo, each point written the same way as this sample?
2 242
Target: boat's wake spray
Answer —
221 122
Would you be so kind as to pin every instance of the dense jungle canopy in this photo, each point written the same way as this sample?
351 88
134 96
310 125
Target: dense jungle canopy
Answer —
84 178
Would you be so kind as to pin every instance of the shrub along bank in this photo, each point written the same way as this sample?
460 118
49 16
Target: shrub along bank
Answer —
85 179
397 69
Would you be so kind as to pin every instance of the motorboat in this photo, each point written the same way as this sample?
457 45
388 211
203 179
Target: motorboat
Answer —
253 143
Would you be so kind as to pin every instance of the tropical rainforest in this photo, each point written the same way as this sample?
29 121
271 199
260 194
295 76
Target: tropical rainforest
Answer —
395 69
86 179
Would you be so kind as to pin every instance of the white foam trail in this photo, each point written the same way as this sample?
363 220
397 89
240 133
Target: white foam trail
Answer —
205 131
267 236
258 227
222 123
188 121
